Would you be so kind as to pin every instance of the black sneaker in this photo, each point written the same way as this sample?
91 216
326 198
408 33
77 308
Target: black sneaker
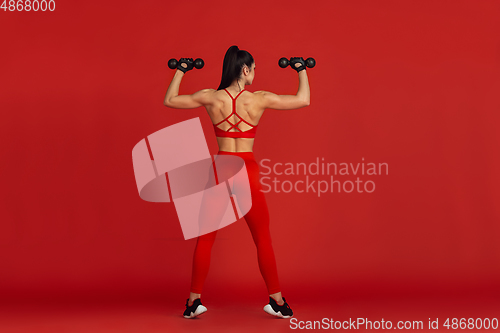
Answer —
282 311
194 310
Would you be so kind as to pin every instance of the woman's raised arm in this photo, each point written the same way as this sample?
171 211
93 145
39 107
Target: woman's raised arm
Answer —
176 101
271 100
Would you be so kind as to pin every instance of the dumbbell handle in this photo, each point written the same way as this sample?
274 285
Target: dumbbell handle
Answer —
198 63
284 62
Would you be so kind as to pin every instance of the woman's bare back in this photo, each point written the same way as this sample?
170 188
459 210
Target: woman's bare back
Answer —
248 108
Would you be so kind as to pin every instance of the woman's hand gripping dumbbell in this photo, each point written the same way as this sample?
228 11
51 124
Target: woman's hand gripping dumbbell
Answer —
198 64
284 62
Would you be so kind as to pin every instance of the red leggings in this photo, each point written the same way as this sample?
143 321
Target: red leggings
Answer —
258 222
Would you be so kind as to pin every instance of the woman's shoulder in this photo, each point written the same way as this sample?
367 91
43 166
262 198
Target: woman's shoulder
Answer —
208 91
257 97
261 93
262 96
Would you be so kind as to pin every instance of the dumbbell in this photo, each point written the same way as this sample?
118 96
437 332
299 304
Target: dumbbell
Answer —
198 63
283 62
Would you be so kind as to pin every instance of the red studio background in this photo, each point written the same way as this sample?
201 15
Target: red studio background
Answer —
412 84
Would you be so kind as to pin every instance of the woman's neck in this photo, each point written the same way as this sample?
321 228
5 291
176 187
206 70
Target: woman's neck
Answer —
235 87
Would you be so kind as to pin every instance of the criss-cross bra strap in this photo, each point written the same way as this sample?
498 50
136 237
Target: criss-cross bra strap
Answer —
234 112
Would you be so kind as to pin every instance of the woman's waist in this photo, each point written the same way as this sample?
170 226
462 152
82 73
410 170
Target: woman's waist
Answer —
235 145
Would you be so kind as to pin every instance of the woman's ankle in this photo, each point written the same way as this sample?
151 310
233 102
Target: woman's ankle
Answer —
192 297
278 298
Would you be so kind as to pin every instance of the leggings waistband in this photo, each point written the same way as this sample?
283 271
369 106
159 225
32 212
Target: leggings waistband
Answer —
243 154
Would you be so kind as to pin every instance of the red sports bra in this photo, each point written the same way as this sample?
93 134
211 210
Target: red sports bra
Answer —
241 134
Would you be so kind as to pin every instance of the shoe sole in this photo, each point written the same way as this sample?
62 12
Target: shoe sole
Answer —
269 309
199 310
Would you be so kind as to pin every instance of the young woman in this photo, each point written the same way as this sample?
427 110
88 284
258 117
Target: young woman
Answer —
235 113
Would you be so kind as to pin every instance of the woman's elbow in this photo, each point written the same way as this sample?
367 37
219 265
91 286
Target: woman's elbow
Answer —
303 100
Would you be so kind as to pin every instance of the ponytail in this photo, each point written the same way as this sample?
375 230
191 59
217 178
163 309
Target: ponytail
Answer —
234 60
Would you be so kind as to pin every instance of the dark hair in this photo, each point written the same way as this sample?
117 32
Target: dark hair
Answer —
234 60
